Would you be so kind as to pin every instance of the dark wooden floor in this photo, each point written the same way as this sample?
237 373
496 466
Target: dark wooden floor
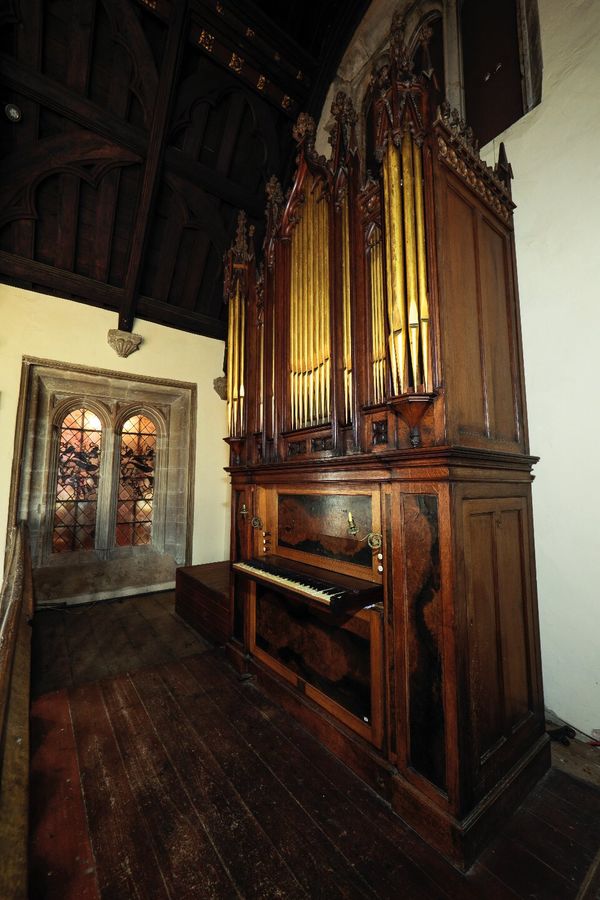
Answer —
177 780
77 644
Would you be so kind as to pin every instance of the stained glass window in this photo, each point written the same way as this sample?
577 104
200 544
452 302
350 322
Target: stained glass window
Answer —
77 483
136 482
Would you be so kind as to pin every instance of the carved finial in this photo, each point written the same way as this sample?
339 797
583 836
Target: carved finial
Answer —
260 294
398 24
242 249
381 78
400 52
240 244
304 130
344 114
337 107
273 213
342 109
503 169
240 253
445 111
274 197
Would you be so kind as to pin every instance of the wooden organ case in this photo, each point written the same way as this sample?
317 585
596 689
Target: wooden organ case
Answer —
382 545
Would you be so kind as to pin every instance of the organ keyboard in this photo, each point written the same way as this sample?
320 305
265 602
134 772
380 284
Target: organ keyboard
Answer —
340 593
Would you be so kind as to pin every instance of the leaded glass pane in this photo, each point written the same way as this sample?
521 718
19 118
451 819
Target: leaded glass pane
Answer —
136 482
77 482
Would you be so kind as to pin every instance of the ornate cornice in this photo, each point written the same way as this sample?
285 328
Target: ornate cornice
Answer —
458 149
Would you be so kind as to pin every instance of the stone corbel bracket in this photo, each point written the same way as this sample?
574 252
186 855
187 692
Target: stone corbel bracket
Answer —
124 343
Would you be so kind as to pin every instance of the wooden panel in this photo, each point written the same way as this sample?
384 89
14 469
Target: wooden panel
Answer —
312 526
421 551
498 333
485 673
202 599
330 658
512 589
502 688
460 323
319 524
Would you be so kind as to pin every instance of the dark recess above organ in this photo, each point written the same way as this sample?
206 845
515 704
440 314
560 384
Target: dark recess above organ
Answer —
138 143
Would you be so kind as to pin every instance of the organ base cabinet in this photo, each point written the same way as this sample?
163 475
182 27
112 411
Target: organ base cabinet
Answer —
383 576
432 692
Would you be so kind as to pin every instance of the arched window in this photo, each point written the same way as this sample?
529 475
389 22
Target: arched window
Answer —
136 482
78 470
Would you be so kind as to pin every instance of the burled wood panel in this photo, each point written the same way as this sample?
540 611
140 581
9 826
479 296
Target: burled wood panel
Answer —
423 625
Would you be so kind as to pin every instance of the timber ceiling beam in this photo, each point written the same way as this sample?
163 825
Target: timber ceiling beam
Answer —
158 132
145 126
55 96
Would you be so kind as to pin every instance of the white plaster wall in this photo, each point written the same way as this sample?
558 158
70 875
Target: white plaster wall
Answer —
555 155
37 325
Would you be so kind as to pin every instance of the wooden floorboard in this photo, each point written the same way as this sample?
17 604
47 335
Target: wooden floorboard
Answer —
157 773
62 865
380 864
186 854
304 845
373 815
120 833
246 850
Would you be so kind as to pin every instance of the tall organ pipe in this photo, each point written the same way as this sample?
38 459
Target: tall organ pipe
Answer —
412 297
394 245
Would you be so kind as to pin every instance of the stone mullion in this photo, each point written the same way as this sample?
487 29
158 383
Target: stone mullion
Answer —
107 495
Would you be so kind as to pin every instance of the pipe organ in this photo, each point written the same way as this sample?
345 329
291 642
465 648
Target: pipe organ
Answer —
382 543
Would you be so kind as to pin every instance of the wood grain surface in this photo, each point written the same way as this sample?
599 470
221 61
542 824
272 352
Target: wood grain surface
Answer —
191 783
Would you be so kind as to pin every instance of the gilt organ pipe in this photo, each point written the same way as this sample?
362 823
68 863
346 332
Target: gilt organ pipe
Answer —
305 312
377 317
314 294
241 372
347 325
231 337
323 349
293 332
422 266
261 356
412 296
326 317
236 357
309 328
394 244
315 319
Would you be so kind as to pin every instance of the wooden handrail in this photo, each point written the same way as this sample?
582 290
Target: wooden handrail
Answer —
16 611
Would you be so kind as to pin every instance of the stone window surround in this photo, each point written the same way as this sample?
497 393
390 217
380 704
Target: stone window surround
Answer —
48 389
